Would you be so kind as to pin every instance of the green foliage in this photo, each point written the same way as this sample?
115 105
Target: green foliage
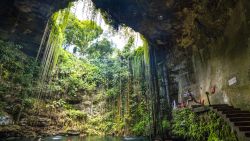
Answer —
100 72
102 81
207 127
76 115
128 47
59 22
146 49
2 104
139 52
15 66
166 124
118 126
59 103
100 50
107 17
140 127
112 92
28 102
74 75
81 33
18 79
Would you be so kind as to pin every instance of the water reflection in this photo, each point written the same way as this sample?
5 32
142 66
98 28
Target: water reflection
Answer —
77 138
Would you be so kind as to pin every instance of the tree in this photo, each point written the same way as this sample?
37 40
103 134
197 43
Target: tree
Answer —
80 33
100 50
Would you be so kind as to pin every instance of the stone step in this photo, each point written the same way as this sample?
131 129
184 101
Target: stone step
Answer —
235 112
243 123
237 119
219 106
238 115
228 109
214 105
245 128
222 106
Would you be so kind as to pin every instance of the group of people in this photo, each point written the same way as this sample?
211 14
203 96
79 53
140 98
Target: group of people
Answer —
188 98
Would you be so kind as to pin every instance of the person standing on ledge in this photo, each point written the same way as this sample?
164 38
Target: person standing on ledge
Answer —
191 97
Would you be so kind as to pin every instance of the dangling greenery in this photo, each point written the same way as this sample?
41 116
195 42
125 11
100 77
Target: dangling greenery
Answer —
146 49
57 25
98 89
103 76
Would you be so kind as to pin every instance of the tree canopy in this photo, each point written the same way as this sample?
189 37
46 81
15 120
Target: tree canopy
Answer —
80 33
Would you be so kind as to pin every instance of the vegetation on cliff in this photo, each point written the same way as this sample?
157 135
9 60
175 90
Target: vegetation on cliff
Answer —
204 127
101 92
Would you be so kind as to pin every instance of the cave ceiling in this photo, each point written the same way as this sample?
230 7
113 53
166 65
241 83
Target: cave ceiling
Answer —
164 23
155 19
24 21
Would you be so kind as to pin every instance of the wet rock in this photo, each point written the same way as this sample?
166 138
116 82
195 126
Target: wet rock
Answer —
62 133
10 131
73 133
82 135
42 122
6 120
35 121
74 100
87 103
23 122
12 138
28 133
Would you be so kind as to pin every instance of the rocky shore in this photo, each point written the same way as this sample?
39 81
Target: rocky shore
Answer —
41 127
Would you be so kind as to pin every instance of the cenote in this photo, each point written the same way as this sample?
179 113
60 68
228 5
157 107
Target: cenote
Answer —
78 138
123 70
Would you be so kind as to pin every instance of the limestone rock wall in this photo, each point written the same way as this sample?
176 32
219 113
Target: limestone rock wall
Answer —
24 21
207 43
218 60
223 65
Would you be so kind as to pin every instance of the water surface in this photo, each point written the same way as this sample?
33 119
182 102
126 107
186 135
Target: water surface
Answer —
77 138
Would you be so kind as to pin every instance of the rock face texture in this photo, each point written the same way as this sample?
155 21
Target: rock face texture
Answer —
205 44
24 21
150 18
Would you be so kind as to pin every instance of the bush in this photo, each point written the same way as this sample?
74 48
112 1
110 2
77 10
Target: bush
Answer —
58 104
29 103
165 124
206 127
139 128
76 115
15 65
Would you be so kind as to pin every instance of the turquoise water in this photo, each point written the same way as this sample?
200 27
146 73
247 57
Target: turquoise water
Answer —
77 138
